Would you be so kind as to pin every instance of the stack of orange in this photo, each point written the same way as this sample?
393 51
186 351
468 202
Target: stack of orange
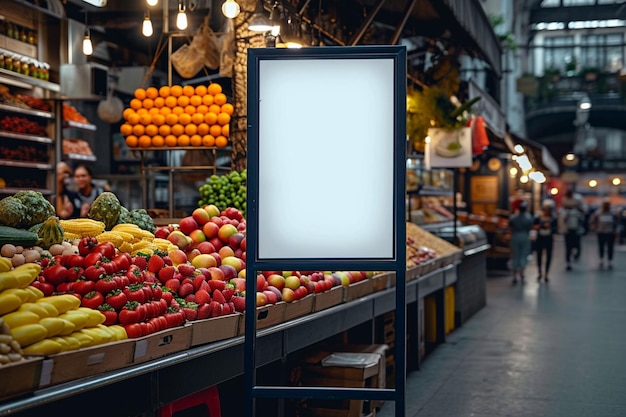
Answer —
177 116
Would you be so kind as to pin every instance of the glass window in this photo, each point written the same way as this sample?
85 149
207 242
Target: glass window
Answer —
603 51
559 52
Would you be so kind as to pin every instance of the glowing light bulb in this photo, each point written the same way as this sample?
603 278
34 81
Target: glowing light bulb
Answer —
146 27
181 17
593 183
87 45
616 181
152 3
554 191
230 9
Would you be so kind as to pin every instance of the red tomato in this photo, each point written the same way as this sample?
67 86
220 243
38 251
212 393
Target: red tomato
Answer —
107 249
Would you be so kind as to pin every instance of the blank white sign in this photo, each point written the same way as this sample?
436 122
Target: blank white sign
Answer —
326 159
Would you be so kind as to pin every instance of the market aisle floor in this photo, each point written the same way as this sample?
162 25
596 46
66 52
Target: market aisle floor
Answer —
555 350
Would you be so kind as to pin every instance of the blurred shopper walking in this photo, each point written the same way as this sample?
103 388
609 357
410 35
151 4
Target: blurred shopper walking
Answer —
604 222
545 227
520 224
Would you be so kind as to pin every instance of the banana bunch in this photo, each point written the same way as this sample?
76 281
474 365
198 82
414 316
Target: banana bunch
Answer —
49 325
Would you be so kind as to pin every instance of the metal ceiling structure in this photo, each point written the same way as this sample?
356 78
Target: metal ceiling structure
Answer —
461 22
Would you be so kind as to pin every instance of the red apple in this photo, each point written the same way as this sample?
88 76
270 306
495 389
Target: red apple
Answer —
212 210
187 225
261 299
210 230
200 215
178 257
226 251
261 283
217 257
217 220
277 281
162 232
229 271
197 236
234 241
279 295
300 292
271 297
204 260
216 273
192 254
292 282
179 239
234 262
216 242
242 245
226 231
205 247
241 227
287 273
268 273
288 295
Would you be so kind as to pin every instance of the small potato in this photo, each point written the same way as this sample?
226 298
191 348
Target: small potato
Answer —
69 251
66 244
19 249
8 250
18 259
56 249
31 255
38 249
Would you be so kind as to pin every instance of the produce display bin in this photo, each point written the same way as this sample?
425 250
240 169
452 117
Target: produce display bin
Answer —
327 299
162 343
298 308
214 329
267 316
20 378
76 364
357 290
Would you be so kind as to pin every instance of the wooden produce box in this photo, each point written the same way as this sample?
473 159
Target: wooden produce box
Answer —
214 329
298 308
327 299
84 362
20 378
267 316
162 343
357 290
382 281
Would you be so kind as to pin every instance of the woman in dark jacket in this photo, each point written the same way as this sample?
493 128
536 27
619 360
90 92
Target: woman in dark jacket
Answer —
546 228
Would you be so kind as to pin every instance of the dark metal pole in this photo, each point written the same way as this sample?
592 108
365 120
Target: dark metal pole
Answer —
368 21
405 18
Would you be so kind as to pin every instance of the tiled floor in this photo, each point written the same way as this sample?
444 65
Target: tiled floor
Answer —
554 350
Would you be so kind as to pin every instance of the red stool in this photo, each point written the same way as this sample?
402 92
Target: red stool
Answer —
210 398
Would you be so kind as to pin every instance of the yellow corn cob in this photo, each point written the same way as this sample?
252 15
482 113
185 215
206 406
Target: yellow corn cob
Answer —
136 231
126 247
82 227
69 236
112 237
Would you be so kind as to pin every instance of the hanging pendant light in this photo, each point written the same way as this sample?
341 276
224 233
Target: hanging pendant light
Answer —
230 9
258 21
146 27
181 17
152 3
87 45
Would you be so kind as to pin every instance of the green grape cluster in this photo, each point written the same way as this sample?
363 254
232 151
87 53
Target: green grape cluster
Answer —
225 191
